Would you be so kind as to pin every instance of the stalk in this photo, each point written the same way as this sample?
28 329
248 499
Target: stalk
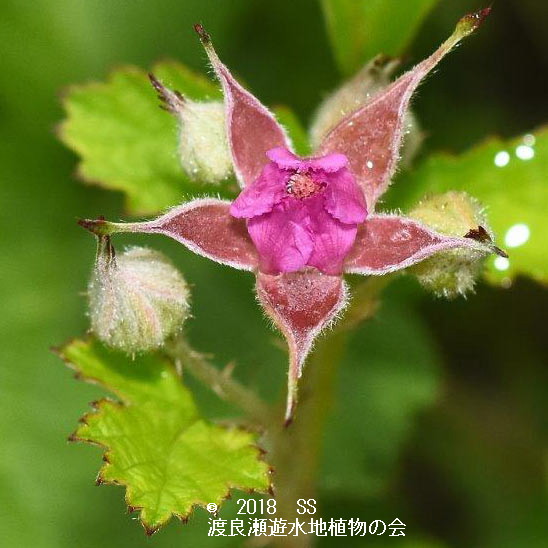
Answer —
220 382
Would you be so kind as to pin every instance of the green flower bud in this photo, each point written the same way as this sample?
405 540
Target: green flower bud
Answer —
137 299
203 145
454 272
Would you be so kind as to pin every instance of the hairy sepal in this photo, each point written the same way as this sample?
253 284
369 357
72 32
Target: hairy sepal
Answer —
204 226
387 243
301 304
372 136
352 95
252 129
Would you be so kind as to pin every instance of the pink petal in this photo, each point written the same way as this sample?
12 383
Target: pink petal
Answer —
284 158
332 239
372 135
386 243
252 128
262 195
329 163
287 160
207 228
301 304
282 238
344 198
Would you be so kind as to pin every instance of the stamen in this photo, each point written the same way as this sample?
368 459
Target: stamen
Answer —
302 186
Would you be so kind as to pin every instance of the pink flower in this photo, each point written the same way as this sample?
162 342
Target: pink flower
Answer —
299 223
302 212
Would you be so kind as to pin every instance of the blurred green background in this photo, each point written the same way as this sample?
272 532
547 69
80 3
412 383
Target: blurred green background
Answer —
442 419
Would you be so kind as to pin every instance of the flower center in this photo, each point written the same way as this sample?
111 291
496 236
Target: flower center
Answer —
302 186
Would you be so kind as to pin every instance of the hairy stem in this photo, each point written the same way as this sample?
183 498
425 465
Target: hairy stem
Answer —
295 451
221 382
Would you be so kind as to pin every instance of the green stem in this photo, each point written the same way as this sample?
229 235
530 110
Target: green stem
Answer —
222 383
295 451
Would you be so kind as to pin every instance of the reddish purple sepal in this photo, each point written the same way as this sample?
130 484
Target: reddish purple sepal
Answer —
301 304
252 128
207 228
371 136
386 243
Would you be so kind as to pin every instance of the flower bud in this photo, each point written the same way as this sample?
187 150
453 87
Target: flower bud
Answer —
354 94
454 272
137 299
203 144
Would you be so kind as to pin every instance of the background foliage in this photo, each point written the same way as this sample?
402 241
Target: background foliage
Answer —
443 426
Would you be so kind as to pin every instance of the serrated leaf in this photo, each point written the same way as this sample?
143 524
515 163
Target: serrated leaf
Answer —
156 444
361 29
509 178
126 142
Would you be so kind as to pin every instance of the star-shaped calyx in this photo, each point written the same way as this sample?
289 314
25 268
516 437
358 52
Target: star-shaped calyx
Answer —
300 223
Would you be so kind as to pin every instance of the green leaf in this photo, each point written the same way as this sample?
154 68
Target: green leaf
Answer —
361 29
126 142
515 194
155 442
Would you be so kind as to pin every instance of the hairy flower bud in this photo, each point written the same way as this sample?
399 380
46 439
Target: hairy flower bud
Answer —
137 299
454 272
203 145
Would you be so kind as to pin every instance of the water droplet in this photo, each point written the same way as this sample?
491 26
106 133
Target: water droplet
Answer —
501 263
517 235
529 140
525 152
502 158
369 164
